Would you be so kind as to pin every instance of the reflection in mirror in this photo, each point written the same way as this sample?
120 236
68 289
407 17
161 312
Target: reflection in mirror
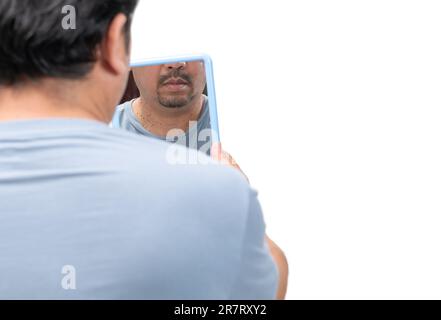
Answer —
169 102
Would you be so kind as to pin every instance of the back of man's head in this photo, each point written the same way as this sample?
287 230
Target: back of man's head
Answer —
39 39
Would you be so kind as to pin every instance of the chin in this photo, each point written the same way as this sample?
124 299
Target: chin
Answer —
174 103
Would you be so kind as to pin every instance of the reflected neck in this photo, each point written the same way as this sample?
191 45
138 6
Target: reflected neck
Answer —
159 120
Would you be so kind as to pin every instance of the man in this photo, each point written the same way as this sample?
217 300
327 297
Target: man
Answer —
171 105
89 212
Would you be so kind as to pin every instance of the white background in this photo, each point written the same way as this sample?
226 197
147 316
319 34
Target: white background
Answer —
333 109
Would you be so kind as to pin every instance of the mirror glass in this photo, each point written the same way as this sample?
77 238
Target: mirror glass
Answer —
168 101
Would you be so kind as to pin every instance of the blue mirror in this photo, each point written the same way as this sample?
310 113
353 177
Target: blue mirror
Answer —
172 99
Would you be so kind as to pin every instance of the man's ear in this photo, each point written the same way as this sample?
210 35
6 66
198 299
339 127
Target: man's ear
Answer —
113 51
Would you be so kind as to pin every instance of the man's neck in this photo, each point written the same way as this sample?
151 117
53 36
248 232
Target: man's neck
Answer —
45 101
159 120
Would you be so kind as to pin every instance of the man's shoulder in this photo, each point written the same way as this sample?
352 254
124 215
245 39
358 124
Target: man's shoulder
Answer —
149 157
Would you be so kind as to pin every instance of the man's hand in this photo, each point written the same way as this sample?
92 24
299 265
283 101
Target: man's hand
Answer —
217 153
279 257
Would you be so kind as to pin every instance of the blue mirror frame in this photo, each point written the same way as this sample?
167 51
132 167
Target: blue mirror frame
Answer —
211 91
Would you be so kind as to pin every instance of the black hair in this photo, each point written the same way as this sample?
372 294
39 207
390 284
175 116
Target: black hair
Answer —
34 43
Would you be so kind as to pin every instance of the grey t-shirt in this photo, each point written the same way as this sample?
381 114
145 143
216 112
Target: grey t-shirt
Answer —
197 137
91 212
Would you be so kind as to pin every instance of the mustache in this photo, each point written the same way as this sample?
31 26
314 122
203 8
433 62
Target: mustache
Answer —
175 74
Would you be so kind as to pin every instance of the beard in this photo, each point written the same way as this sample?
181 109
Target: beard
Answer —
174 102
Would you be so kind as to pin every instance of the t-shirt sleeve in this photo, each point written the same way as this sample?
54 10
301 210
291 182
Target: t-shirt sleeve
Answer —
257 277
116 120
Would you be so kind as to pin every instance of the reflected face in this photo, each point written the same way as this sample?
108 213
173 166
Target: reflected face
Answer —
171 85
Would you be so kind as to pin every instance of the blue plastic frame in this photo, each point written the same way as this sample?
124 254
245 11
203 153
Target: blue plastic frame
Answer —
211 91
